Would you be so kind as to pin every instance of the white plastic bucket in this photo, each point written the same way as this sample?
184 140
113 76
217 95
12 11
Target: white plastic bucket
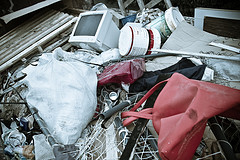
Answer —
155 40
134 41
173 17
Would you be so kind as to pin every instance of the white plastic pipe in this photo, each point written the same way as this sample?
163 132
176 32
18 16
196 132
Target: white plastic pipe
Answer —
233 58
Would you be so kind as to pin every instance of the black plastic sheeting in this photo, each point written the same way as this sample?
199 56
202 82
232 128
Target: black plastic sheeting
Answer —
184 66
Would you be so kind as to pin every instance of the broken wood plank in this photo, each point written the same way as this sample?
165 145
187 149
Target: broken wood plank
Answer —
12 52
42 41
141 4
26 35
168 3
15 32
25 26
7 18
122 7
127 3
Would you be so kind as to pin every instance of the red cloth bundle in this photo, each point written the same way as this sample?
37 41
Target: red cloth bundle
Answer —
126 71
181 111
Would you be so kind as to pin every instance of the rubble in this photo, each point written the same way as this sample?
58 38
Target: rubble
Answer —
66 81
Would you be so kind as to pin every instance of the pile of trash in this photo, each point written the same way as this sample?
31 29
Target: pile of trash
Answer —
95 102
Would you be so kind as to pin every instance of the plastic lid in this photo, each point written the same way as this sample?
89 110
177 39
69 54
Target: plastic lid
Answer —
173 17
113 96
125 40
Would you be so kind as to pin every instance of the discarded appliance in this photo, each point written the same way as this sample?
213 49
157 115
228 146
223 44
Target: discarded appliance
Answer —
199 101
167 22
116 16
134 41
95 29
126 72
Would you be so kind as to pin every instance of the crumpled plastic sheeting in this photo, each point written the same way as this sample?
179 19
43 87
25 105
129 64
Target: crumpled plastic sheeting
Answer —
230 70
43 150
64 92
107 56
12 136
88 56
14 140
126 72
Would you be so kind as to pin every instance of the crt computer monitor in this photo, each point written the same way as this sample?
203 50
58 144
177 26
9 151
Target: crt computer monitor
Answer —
95 29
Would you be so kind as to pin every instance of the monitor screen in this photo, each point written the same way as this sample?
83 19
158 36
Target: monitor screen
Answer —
96 30
83 28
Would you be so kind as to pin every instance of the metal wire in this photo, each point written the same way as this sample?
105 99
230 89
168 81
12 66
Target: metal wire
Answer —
231 129
95 142
93 145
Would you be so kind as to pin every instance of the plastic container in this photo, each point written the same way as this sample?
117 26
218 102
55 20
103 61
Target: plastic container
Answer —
173 17
113 96
155 40
134 41
162 27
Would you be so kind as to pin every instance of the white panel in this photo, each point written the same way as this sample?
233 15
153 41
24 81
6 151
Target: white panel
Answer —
200 13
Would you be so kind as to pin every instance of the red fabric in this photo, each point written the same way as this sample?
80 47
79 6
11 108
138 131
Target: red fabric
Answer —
126 71
181 111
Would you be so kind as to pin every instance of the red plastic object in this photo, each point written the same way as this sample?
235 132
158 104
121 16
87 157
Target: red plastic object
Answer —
126 71
181 111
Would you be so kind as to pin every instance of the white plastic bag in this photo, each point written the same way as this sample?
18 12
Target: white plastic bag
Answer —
64 92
